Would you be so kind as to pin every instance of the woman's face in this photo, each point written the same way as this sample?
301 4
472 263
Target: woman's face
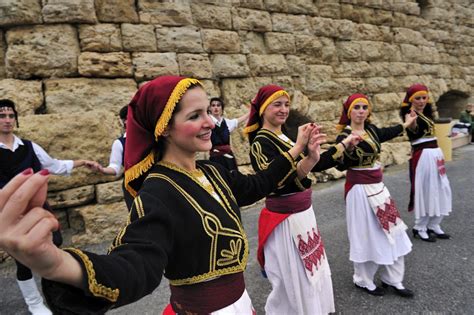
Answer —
277 111
359 112
419 103
190 129
216 109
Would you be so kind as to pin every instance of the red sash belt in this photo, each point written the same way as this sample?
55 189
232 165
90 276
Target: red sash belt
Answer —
354 177
207 297
416 151
219 150
294 203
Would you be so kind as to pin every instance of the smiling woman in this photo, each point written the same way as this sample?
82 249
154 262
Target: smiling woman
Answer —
184 222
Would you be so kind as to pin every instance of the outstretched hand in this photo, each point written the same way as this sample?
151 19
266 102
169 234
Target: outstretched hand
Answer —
410 120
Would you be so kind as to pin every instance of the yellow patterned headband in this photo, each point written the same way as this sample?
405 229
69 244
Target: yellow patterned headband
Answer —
271 99
416 94
357 100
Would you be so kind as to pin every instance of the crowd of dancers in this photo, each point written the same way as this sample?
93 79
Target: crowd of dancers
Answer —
184 220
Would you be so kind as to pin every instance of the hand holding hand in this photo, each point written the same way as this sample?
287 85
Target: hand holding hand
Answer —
351 141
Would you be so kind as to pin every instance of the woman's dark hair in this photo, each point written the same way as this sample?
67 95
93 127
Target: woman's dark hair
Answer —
217 99
427 111
123 113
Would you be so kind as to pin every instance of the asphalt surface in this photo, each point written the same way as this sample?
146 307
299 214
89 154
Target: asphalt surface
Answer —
441 273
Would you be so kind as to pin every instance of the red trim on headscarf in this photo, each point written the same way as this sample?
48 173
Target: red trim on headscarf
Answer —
412 90
345 116
254 122
144 112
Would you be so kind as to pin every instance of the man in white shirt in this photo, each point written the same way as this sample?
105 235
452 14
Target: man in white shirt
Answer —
221 151
21 155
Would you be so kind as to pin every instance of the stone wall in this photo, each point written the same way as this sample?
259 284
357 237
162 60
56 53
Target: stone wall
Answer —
70 65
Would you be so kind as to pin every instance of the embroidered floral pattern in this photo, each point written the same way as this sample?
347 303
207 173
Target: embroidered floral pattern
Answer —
388 214
311 251
441 167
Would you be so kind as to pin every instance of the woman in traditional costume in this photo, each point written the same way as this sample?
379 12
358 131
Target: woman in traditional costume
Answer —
290 247
430 195
184 223
377 234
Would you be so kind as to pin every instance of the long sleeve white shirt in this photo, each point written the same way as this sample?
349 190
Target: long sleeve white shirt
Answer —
54 166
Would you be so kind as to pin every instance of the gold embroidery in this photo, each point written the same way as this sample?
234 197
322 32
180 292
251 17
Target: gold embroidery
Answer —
213 228
98 290
230 256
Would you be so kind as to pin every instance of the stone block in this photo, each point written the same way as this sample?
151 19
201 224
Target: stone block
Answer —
138 37
212 16
217 41
372 51
376 85
100 37
323 110
267 64
195 66
296 65
80 95
69 11
382 102
251 20
86 135
109 192
116 11
107 65
282 43
349 50
238 91
71 197
252 43
353 69
20 12
211 87
291 23
229 66
252 4
300 102
308 44
97 223
27 95
179 39
329 9
408 36
174 13
42 51
150 65
372 33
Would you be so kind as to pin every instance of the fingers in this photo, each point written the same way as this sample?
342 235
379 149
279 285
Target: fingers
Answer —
17 197
13 185
32 218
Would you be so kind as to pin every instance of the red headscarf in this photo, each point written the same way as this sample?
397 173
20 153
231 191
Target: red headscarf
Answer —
265 96
414 91
348 106
149 113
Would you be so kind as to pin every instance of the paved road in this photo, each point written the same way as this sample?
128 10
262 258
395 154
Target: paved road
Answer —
441 273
